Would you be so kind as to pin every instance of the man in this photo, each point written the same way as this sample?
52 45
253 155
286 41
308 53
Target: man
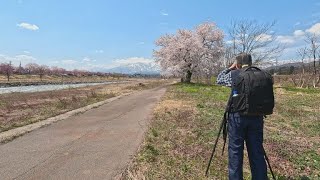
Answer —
243 128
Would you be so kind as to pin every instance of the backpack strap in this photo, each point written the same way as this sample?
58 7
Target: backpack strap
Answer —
251 67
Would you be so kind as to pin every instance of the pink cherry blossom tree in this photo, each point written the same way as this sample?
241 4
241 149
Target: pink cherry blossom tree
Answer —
43 70
6 69
57 71
189 52
32 68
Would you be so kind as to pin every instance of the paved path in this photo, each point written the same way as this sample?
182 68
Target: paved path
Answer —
95 145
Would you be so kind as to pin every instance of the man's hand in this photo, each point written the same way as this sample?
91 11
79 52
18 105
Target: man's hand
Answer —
233 66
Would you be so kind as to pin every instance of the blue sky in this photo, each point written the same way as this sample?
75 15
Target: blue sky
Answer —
104 33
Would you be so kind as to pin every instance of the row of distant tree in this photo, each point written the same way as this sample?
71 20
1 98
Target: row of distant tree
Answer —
293 68
203 51
8 69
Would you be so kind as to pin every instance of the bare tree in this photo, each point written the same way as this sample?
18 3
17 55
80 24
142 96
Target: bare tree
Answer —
319 58
302 53
249 36
314 41
228 56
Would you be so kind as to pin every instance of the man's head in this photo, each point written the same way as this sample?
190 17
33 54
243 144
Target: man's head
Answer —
244 59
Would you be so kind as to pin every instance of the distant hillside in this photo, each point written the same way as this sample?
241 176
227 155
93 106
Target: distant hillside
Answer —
290 68
135 68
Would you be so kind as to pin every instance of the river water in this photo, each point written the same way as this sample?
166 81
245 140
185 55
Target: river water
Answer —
49 87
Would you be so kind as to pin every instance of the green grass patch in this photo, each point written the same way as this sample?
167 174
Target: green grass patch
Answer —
302 90
186 122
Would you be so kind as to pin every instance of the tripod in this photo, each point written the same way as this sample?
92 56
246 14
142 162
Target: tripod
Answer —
223 128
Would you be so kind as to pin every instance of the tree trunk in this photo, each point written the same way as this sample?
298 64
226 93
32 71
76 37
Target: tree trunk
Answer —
188 77
314 64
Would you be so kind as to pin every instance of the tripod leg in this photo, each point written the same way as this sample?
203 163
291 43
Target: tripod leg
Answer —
267 159
215 145
224 145
225 134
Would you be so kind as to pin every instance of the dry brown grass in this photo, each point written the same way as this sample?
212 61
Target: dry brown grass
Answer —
18 109
47 78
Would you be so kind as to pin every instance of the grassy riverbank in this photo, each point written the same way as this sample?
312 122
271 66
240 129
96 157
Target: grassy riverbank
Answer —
19 109
185 124
17 80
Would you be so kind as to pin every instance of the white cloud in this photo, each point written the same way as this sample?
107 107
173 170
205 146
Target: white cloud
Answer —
163 13
131 60
69 61
90 64
26 52
315 29
297 36
264 38
297 23
298 33
297 40
286 39
99 51
24 59
28 26
87 60
118 62
141 43
85 64
54 62
70 64
231 41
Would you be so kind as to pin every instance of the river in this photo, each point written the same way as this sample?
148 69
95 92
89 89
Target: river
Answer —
49 87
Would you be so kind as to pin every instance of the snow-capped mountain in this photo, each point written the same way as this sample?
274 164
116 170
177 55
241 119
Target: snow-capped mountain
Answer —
136 68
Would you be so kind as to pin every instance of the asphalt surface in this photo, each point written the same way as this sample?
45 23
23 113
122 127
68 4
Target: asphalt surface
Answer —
97 144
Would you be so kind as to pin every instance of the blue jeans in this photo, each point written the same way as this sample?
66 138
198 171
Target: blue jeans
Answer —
250 130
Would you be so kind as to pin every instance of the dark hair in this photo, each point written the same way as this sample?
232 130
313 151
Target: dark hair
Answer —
244 59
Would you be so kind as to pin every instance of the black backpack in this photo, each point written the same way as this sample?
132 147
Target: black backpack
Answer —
254 92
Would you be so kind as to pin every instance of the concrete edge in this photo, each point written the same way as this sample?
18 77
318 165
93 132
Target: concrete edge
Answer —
13 133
